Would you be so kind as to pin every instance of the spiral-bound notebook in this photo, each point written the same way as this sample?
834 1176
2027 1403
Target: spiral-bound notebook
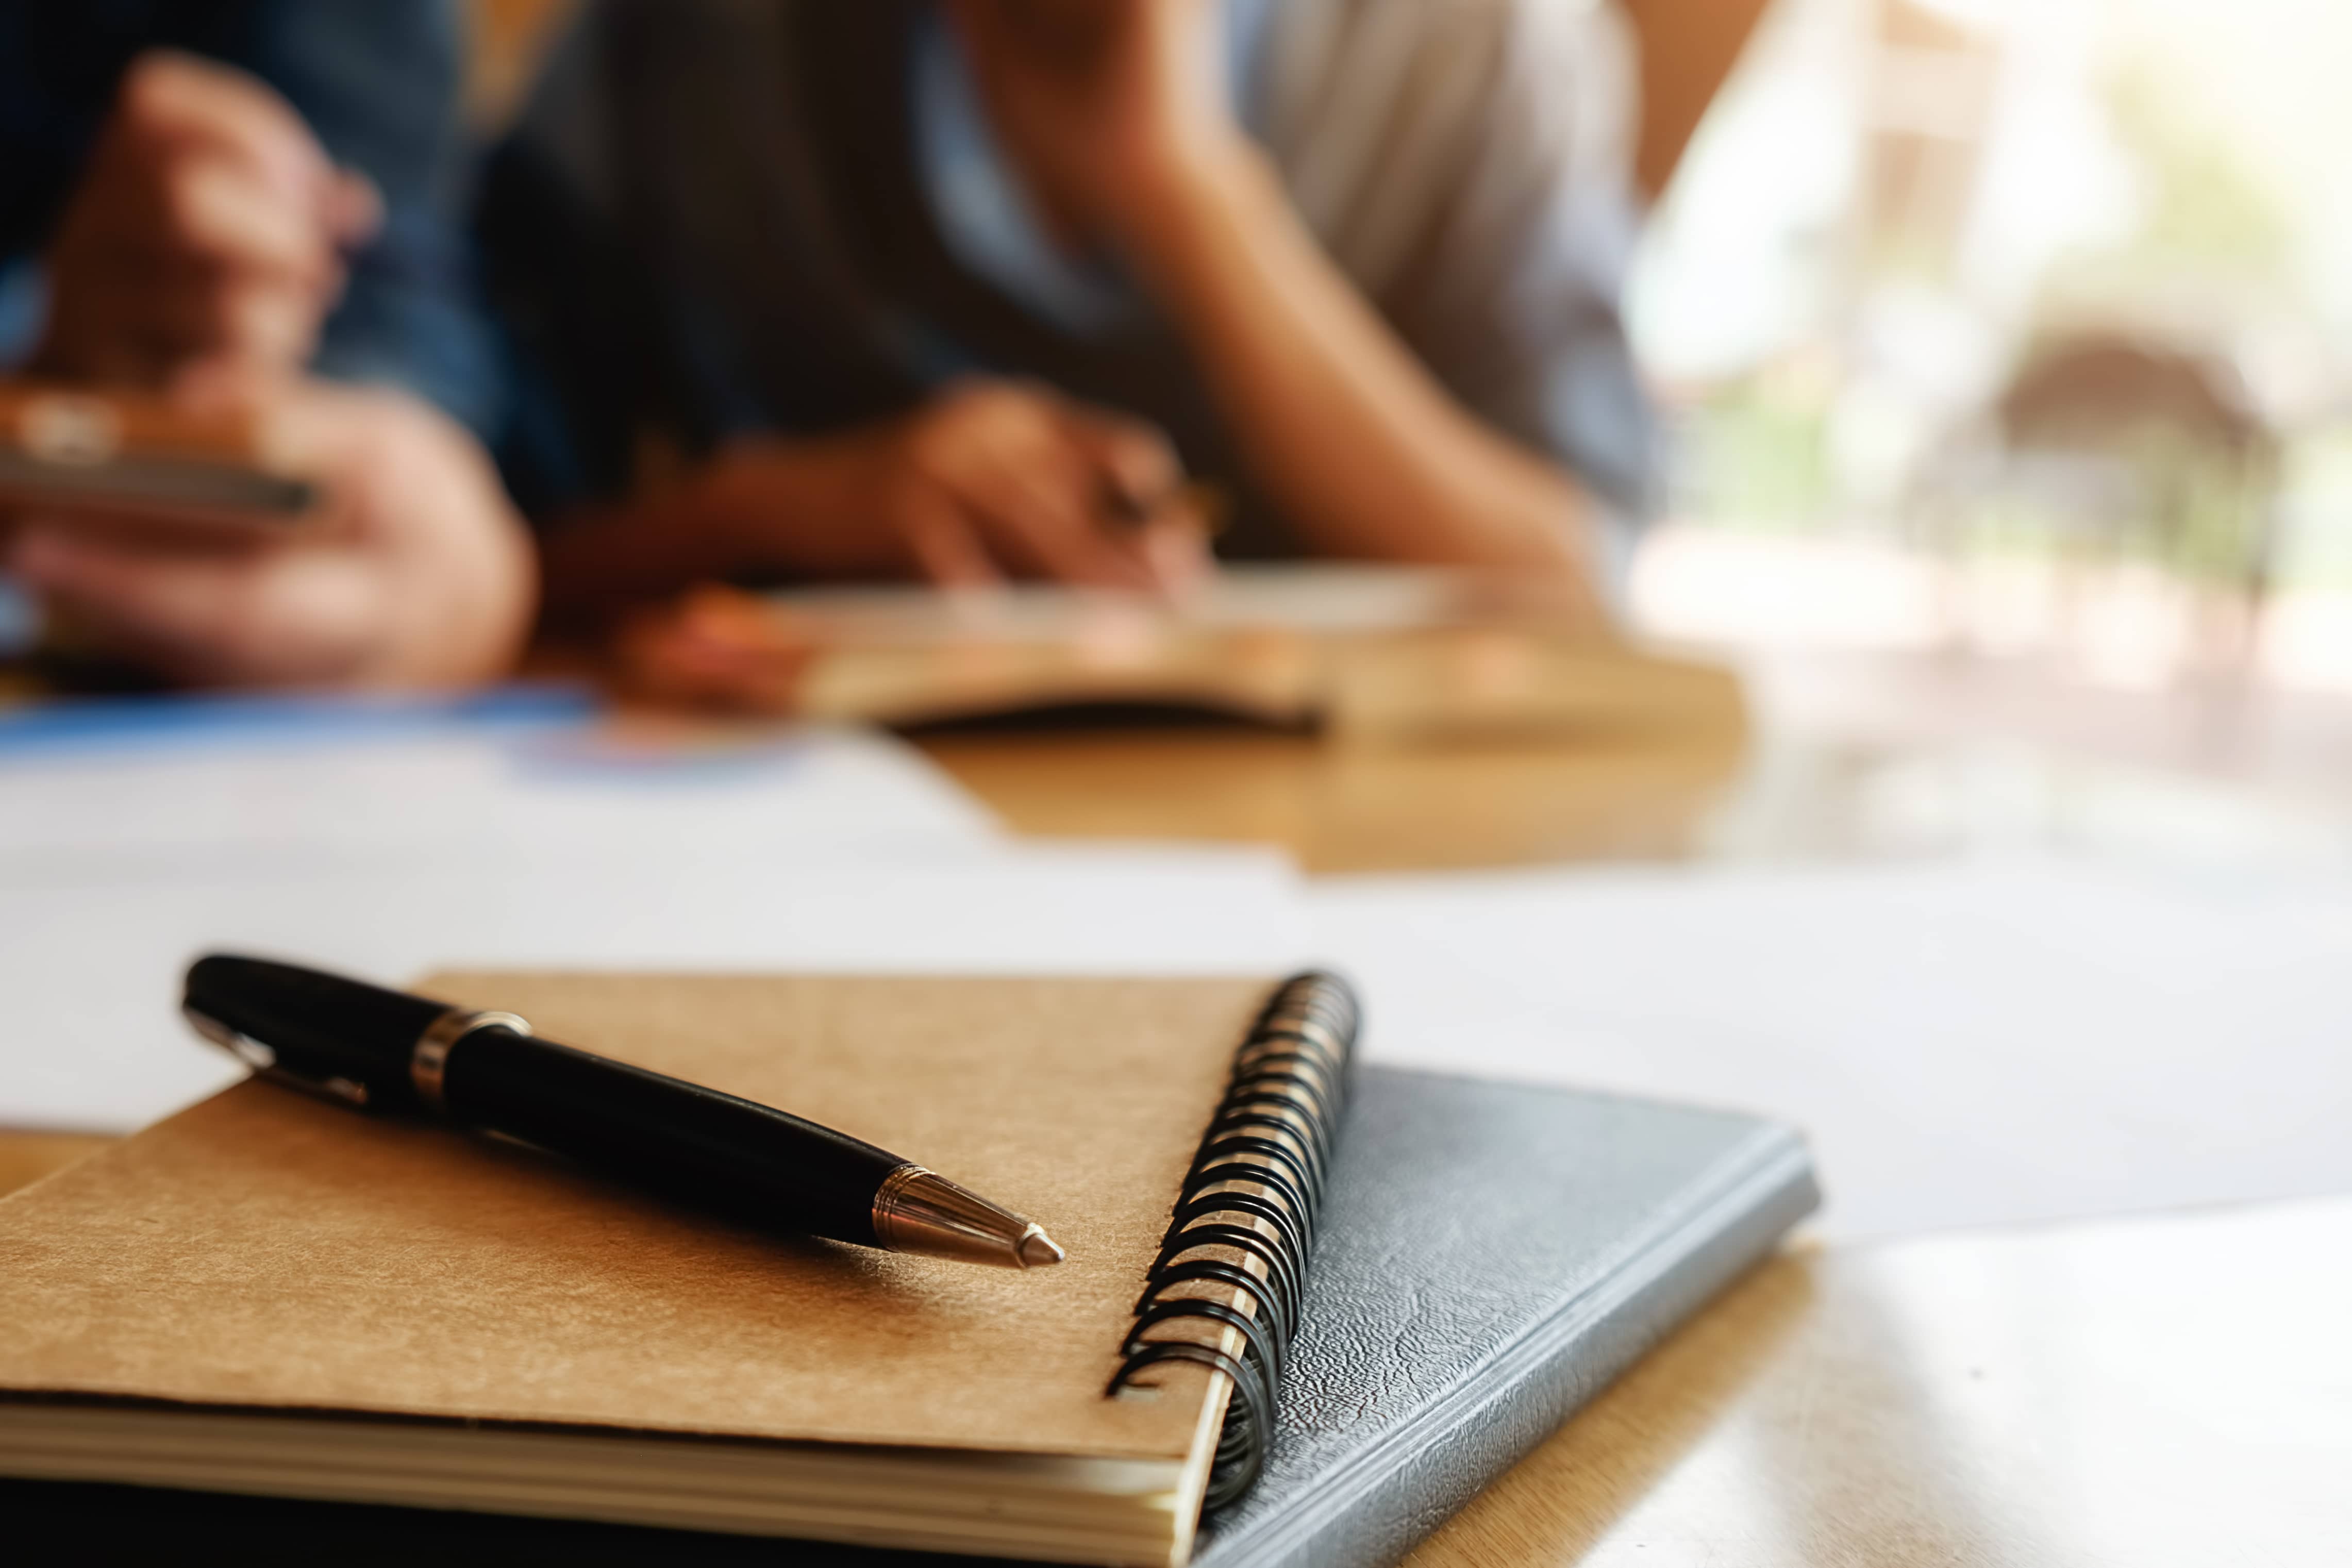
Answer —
252 1298
272 1295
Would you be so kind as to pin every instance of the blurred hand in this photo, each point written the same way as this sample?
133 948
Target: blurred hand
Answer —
207 233
1102 102
992 479
417 574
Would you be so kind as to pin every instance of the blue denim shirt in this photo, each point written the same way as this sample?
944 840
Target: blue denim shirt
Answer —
378 82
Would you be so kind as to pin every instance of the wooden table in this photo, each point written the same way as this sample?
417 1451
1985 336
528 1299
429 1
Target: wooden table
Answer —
2170 1390
2167 1391
1363 806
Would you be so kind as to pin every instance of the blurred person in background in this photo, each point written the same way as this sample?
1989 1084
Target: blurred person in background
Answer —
957 290
249 205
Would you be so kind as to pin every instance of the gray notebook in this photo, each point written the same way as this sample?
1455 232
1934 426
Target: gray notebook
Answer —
1490 1256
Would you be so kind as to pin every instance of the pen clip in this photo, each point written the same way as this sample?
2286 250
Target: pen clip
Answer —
264 1063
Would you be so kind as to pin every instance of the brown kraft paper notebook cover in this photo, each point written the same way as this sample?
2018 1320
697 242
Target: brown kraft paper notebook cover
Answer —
267 1293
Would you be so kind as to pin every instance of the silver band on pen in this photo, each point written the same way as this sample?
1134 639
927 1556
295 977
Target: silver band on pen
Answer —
430 1059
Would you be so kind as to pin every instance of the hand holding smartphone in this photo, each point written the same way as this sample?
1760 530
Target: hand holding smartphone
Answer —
307 534
116 457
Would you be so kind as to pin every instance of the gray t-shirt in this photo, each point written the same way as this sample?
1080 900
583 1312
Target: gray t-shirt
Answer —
720 216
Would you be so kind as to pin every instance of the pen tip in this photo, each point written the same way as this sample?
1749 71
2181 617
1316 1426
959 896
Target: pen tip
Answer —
920 1211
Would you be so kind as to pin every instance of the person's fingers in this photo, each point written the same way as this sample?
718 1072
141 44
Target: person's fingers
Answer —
1015 465
211 186
186 320
1141 489
213 262
416 572
239 615
1035 488
1177 548
217 214
165 322
331 432
991 449
227 388
1039 496
355 209
1139 463
393 472
171 98
267 326
946 547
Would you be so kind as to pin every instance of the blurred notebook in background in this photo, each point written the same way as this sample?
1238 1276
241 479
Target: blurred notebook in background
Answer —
1366 652
265 1295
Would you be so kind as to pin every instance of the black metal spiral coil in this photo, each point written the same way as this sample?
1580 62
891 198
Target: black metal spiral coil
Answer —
1272 1134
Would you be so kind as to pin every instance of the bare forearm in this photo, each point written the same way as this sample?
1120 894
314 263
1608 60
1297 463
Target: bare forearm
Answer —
602 560
1366 452
762 506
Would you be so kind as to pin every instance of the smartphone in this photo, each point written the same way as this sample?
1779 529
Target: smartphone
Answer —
127 456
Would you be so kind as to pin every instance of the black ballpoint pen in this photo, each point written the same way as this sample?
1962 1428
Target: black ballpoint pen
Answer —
381 1050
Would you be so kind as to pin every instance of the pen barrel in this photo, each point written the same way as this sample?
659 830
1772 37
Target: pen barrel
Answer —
343 1037
692 1145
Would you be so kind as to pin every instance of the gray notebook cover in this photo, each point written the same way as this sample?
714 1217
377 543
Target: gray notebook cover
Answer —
1490 1256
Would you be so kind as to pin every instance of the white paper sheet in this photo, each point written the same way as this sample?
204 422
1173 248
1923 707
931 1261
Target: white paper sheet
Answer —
358 786
1966 1044
91 970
